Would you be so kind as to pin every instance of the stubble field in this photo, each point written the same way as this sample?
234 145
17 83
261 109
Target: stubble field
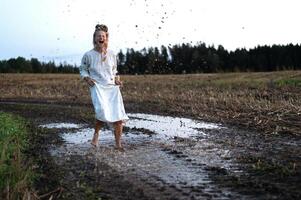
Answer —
267 102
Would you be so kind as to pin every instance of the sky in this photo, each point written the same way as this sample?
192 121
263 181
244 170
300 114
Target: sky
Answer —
61 30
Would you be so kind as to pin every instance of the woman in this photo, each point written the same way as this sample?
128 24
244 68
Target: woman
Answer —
99 68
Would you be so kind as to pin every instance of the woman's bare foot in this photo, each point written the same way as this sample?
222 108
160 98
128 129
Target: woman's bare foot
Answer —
94 141
117 132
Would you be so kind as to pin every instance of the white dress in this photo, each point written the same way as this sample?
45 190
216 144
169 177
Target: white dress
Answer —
106 96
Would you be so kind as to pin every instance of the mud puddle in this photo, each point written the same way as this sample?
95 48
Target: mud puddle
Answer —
174 161
165 158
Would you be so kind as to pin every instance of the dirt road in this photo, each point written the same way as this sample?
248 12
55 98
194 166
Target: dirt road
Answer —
166 157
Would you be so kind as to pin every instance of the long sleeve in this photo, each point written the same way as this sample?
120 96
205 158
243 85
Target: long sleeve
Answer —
83 69
115 66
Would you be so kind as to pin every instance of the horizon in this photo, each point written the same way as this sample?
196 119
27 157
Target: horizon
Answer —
69 59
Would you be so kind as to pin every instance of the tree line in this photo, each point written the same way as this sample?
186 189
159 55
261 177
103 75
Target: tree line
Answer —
21 65
181 59
200 58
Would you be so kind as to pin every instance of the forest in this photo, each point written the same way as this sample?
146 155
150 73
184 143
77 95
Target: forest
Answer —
180 59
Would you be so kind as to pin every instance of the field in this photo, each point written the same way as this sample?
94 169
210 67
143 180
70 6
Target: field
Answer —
251 151
267 102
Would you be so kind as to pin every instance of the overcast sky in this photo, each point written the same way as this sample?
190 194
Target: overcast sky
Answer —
62 29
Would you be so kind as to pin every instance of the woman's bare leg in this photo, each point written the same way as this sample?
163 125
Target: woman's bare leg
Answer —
98 125
118 132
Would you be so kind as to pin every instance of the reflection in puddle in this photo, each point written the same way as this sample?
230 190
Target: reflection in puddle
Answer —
61 125
169 126
165 127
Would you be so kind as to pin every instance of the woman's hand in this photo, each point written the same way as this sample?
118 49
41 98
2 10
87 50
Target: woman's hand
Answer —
117 81
90 81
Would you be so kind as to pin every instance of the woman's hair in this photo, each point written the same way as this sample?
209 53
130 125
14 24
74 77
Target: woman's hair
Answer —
101 27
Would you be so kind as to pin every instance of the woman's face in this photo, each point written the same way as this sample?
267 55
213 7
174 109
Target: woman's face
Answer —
100 38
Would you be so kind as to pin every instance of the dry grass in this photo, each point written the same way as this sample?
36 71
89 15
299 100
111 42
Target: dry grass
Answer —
270 102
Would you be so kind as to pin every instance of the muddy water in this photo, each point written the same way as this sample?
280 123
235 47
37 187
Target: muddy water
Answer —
173 162
167 126
60 125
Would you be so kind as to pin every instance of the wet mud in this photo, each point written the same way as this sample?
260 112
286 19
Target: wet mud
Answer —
165 157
